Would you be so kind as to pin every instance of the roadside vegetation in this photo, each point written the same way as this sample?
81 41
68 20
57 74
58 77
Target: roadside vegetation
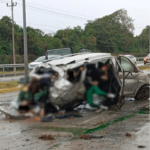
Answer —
10 86
146 67
112 33
11 72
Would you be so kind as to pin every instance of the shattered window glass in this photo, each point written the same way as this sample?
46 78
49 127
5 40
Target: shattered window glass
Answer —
62 52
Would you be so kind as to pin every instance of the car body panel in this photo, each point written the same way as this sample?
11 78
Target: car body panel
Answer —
129 84
41 59
134 80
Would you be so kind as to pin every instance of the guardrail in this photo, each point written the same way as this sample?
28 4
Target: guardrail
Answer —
3 66
139 58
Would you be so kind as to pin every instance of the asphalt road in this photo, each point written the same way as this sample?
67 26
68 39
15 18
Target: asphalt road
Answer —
24 134
12 78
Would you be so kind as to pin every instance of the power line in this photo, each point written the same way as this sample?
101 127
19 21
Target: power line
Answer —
59 10
56 13
40 25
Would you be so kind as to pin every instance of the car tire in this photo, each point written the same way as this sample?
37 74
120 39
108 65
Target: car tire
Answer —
142 94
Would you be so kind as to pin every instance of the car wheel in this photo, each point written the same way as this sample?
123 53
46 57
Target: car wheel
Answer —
142 94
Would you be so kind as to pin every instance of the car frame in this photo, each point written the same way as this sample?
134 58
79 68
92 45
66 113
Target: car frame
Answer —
132 58
134 81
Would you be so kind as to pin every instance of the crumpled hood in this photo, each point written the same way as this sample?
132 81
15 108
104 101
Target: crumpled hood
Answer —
34 64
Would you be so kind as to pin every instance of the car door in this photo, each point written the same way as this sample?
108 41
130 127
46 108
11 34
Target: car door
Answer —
130 76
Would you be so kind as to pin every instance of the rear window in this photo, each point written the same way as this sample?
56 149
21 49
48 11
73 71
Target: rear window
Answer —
40 59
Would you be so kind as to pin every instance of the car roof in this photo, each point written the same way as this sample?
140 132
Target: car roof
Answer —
78 58
128 55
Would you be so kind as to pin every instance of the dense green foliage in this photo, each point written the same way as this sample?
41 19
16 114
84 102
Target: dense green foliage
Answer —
112 33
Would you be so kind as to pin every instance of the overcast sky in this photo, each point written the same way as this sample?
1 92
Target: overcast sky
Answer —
52 15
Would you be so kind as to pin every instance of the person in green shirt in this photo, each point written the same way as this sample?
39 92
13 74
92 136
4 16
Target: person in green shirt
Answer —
31 95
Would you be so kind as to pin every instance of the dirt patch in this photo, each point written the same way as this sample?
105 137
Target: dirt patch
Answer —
35 119
86 137
46 137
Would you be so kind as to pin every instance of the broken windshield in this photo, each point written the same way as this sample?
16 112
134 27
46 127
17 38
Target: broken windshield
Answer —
62 51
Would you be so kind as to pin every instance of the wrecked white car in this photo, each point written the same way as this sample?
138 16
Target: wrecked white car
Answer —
131 81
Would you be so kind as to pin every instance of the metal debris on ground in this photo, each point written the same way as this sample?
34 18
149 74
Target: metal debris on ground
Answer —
128 134
90 136
86 137
68 116
141 146
46 137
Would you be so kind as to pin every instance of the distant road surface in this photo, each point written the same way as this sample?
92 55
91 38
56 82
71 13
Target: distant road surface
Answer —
12 78
140 63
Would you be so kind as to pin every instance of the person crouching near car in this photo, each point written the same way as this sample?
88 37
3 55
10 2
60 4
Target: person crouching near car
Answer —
91 83
26 96
34 98
108 83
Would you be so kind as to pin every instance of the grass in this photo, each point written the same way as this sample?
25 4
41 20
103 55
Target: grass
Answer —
10 86
11 72
144 67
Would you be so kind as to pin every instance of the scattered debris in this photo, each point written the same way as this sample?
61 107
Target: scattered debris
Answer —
98 111
46 137
128 134
71 118
100 123
68 116
86 137
141 146
35 119
90 136
97 136
145 108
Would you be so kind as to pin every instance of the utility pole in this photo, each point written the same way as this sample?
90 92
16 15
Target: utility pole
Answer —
13 38
149 38
25 41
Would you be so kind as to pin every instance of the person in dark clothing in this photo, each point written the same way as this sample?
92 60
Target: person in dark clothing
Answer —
91 84
109 83
74 74
36 94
